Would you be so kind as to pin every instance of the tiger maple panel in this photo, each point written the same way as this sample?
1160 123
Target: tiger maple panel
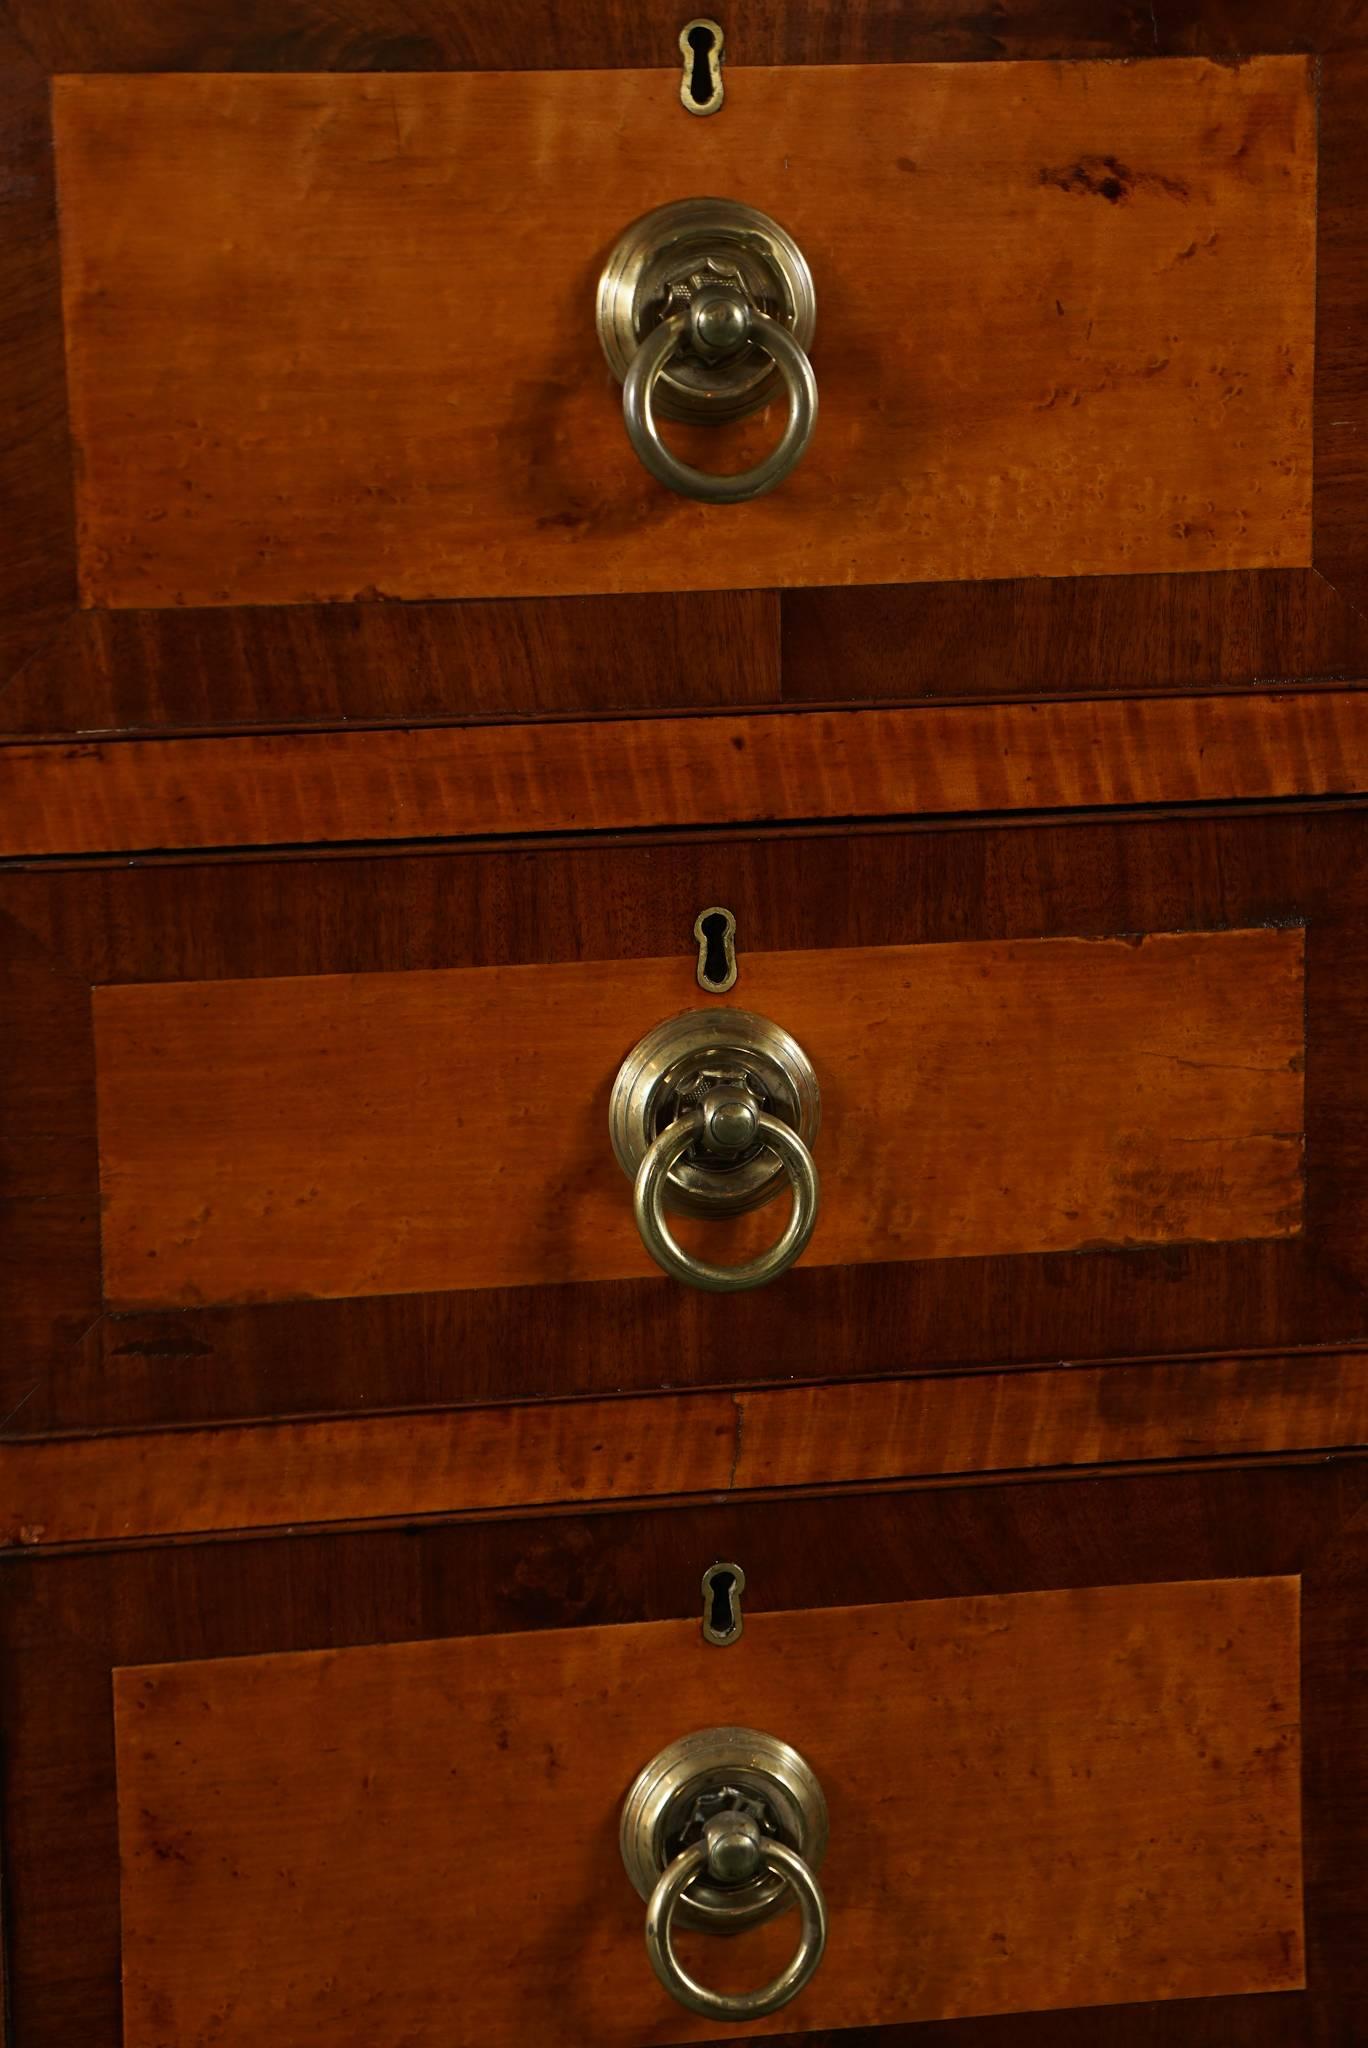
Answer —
333 336
353 1134
1037 1800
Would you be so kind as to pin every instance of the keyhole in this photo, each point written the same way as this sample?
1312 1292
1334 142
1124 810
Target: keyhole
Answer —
715 931
722 1588
701 86
701 43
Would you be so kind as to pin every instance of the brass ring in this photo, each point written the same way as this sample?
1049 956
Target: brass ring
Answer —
649 1203
744 2005
638 410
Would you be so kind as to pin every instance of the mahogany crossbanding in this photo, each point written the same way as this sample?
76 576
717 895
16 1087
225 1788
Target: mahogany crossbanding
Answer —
351 1134
166 1483
91 797
1050 1799
332 336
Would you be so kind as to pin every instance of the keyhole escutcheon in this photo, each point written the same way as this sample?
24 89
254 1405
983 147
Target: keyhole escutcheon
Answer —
723 1585
700 44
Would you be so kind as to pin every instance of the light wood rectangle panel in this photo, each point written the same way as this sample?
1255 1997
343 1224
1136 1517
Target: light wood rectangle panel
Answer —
625 774
354 1134
1037 1801
332 337
110 1489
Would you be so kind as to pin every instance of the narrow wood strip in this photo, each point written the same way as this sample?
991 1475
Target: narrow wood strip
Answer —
398 35
1340 493
285 665
124 796
205 1481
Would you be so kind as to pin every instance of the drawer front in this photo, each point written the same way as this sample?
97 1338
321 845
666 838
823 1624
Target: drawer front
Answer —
1083 1744
312 338
313 1135
388 410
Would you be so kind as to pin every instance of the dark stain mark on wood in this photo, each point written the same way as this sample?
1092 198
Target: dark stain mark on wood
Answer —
1105 177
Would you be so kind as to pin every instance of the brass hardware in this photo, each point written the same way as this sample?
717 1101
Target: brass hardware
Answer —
723 1585
710 1113
722 1830
706 310
701 46
715 931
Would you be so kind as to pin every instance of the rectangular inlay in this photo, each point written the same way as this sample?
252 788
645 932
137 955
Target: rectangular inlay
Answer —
1037 1801
333 1135
332 336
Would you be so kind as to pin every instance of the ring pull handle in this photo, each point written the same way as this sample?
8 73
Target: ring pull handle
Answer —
714 1112
722 1830
706 312
731 314
734 1851
653 1179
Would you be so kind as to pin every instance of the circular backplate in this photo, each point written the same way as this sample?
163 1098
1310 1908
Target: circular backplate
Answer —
661 263
669 1071
662 1798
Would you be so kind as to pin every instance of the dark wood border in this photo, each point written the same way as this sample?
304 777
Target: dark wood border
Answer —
67 1622
169 920
64 670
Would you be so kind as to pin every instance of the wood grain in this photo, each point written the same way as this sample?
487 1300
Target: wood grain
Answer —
617 774
67 1620
107 1489
37 520
1080 1798
395 912
310 377
1045 636
416 35
382 1134
278 665
1341 412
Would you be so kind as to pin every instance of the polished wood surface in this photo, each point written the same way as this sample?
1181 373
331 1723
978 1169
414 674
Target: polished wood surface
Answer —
68 1364
381 1134
1341 411
1069 1798
66 1621
624 774
412 35
314 374
37 560
275 665
105 1489
1048 636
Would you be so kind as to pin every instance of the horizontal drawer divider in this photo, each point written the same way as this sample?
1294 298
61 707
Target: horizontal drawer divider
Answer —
181 1482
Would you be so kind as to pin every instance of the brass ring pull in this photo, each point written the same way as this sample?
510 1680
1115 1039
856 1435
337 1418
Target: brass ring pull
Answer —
653 1179
733 1849
706 312
730 315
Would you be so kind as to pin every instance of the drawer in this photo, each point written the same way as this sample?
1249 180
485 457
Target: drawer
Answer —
285 360
1086 1749
309 1135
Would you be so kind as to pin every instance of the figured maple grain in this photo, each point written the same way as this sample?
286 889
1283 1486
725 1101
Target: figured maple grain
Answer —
331 336
105 1489
619 774
380 1133
1040 1800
